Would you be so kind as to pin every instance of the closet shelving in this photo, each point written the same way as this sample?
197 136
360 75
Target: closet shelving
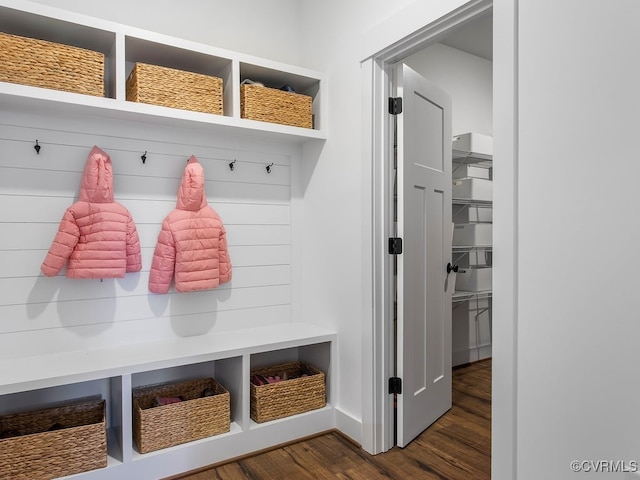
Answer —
465 155
34 382
472 248
123 46
458 253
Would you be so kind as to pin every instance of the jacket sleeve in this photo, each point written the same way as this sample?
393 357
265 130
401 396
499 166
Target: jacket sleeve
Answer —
134 257
224 260
63 244
164 259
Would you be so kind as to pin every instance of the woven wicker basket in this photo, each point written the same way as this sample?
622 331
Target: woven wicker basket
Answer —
53 442
288 397
196 417
173 88
275 106
39 63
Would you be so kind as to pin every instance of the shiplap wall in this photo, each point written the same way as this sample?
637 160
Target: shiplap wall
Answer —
40 315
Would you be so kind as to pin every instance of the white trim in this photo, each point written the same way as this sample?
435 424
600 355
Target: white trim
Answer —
406 31
377 428
505 241
348 425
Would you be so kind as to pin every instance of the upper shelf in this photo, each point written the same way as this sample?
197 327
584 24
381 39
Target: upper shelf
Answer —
469 248
471 202
123 46
462 296
475 158
473 148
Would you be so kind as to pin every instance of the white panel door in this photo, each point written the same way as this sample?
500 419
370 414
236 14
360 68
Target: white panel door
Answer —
424 223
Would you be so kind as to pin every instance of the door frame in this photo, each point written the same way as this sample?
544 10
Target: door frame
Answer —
377 342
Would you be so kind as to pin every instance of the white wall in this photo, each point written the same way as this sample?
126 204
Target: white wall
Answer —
331 177
467 78
576 118
576 109
55 314
336 234
505 244
578 326
265 29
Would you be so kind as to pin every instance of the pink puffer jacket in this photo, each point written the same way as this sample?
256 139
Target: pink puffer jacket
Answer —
192 242
97 235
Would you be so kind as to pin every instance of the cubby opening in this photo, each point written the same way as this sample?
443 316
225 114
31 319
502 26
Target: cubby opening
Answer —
277 79
26 24
227 372
108 389
153 53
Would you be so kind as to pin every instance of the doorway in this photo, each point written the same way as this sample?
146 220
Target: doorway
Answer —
380 71
461 64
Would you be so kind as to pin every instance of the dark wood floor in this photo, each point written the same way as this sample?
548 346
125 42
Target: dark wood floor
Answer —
457 446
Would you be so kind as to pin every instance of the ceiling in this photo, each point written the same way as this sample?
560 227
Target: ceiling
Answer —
475 37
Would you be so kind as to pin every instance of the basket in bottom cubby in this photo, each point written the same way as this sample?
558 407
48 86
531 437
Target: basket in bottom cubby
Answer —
295 395
194 418
53 442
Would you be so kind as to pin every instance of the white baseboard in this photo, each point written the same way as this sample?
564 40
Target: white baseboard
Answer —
462 357
484 351
471 354
349 426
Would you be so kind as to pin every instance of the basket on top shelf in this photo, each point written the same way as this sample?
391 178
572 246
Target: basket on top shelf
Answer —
53 442
39 63
169 87
197 416
275 106
302 391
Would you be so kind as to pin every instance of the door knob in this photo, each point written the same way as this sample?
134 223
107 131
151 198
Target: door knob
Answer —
451 268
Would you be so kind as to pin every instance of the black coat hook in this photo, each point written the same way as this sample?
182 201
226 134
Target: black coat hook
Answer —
269 168
37 147
143 157
232 166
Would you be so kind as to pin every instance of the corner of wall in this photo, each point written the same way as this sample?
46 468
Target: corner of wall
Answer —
349 426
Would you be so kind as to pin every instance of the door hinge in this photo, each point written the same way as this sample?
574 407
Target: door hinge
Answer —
395 246
395 105
395 385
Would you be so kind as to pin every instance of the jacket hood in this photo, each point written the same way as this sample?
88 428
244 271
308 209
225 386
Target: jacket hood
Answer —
96 185
191 195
